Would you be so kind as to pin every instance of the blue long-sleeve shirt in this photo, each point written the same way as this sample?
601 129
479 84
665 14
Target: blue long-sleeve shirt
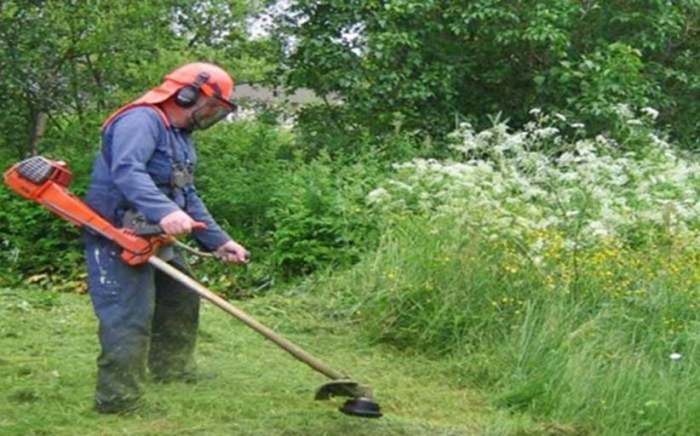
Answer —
134 170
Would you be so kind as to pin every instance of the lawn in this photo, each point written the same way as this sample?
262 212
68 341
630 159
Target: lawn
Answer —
48 348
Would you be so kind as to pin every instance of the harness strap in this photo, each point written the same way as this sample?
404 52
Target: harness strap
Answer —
110 119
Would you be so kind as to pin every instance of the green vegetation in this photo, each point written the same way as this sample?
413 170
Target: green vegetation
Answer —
64 71
565 285
421 64
493 219
47 379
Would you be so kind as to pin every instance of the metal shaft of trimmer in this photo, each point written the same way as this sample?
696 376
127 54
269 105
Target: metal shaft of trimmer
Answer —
251 322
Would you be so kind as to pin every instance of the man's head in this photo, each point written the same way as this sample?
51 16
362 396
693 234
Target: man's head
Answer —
199 95
194 96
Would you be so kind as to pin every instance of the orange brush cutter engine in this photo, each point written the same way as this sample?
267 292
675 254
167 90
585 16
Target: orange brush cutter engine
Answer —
46 182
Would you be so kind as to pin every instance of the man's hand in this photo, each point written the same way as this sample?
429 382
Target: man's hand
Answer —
177 223
232 252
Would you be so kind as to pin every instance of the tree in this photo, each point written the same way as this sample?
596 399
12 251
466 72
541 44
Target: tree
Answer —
66 59
425 62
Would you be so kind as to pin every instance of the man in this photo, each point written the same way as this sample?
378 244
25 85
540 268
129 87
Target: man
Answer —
145 169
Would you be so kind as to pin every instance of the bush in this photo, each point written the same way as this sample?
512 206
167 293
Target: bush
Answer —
564 284
296 212
34 240
319 216
238 173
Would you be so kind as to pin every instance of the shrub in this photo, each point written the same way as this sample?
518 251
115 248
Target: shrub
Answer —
564 283
296 212
319 216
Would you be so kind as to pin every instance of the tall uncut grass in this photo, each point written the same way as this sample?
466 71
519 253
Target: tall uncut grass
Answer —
561 275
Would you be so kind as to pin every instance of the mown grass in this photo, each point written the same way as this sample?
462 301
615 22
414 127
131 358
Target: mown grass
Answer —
48 349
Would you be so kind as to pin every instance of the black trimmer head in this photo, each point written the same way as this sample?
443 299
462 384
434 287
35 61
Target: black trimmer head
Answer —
360 403
362 407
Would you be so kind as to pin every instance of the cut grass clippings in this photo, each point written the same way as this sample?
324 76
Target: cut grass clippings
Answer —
48 347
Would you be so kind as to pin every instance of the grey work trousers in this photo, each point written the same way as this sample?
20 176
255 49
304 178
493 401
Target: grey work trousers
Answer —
147 321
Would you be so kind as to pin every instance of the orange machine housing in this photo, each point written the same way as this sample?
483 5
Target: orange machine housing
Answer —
46 182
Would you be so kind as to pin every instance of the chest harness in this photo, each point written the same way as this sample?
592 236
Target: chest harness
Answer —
181 175
182 171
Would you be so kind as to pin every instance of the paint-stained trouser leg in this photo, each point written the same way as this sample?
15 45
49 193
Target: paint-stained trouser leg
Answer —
123 298
174 328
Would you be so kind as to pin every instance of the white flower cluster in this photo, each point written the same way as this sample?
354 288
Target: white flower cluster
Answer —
514 183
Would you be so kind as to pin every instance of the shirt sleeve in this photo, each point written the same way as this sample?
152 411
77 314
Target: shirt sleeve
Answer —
134 139
214 236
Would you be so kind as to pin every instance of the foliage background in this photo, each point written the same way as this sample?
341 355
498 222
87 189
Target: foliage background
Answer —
423 64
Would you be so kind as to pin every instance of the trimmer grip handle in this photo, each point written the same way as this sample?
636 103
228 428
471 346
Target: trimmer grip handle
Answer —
156 230
148 230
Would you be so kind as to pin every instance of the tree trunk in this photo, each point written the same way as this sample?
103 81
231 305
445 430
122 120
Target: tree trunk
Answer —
39 119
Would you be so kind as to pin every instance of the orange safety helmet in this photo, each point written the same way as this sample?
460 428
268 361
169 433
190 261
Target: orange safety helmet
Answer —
187 82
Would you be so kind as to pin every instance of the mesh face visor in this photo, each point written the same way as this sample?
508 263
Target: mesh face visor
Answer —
211 112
